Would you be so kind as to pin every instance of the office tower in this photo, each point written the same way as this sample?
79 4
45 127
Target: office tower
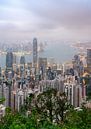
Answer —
29 65
22 60
14 59
22 66
9 60
9 66
78 65
89 59
50 74
14 63
28 70
9 63
42 65
0 71
35 52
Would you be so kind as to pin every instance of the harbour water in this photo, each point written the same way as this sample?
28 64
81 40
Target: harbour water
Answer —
61 52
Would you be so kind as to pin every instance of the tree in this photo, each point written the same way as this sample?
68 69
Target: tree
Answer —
2 100
62 106
79 119
28 104
51 105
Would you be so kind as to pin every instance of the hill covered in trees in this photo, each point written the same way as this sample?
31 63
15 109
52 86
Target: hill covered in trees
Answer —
49 110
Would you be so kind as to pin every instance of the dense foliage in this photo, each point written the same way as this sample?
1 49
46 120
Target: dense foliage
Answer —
49 110
2 100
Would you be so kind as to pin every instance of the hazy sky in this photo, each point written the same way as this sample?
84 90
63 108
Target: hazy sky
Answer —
46 19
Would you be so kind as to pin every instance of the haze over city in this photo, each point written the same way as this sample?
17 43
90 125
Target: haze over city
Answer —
45 64
63 20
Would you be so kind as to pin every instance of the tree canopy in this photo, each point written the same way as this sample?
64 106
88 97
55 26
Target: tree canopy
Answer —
49 110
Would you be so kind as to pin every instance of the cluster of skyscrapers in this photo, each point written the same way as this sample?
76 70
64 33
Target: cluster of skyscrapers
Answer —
18 81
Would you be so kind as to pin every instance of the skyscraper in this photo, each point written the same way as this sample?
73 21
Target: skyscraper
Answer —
22 60
14 63
35 52
0 71
9 63
89 59
22 66
42 64
9 60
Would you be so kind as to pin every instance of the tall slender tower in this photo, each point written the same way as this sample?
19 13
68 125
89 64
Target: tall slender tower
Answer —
9 75
89 60
9 64
35 52
9 60
22 66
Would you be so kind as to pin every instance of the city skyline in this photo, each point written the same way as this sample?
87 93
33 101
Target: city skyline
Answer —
66 20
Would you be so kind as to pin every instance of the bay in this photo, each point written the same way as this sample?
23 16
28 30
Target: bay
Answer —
61 52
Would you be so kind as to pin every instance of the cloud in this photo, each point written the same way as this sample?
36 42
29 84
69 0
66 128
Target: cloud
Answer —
67 13
52 19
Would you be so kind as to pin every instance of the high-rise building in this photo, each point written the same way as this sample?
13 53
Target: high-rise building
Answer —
74 94
42 64
14 63
35 52
9 60
6 95
22 60
78 65
29 65
22 65
17 99
77 96
57 83
89 59
14 59
0 71
9 63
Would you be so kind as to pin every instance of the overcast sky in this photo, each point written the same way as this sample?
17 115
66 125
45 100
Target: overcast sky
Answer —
68 20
